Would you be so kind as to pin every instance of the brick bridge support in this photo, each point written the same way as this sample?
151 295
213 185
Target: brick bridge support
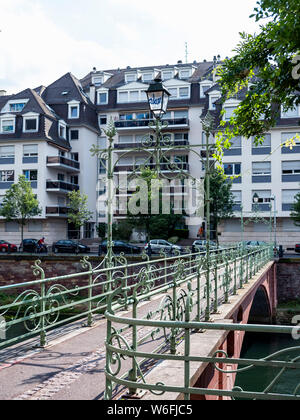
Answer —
257 306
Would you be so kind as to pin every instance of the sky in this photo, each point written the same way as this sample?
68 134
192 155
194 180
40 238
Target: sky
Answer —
40 40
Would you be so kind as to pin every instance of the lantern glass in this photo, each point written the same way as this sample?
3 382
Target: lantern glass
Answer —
158 98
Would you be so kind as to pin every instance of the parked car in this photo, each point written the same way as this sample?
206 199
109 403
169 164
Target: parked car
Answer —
69 246
32 246
253 244
119 246
158 245
200 246
7 247
297 248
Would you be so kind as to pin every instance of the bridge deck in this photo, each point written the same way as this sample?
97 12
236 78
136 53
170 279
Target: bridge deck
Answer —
72 367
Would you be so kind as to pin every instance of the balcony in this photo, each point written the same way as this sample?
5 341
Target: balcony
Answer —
123 146
60 162
57 211
164 167
60 186
144 124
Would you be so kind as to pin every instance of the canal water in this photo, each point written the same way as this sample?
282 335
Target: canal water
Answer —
260 345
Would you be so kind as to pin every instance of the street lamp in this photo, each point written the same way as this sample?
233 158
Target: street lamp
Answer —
255 198
158 98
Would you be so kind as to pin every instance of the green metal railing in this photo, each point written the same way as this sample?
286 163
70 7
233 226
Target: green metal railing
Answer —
33 308
183 306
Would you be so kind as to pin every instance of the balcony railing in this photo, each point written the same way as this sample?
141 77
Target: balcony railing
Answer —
61 186
57 211
145 123
168 167
62 161
139 144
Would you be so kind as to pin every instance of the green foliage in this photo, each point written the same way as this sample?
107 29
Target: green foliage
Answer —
20 203
101 230
295 212
222 202
156 225
269 55
79 213
173 240
182 233
122 230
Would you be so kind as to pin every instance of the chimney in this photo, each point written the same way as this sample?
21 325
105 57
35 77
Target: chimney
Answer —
3 92
92 93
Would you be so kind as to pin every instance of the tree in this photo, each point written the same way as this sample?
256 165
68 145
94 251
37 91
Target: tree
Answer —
269 60
122 230
155 225
79 213
295 211
221 205
20 203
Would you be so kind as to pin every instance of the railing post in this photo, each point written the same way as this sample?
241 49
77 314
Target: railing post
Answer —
199 266
37 270
133 372
241 269
235 279
187 338
216 302
88 266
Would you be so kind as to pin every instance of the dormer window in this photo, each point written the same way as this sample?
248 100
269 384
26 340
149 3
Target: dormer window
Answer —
30 123
74 107
168 74
8 125
97 81
131 77
185 74
147 77
62 130
18 107
102 97
213 99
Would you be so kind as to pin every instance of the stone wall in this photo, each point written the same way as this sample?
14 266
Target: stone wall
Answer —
288 280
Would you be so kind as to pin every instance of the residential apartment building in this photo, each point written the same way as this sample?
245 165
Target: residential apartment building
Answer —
46 134
269 170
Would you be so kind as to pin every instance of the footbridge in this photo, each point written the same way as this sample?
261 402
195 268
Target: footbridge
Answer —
160 329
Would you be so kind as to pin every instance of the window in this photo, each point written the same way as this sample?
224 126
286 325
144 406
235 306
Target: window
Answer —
147 77
203 89
291 113
125 139
132 96
129 78
62 131
11 227
60 177
232 169
31 175
291 167
74 111
74 135
185 74
35 226
181 136
75 156
8 125
264 196
288 136
261 168
213 99
102 98
288 196
31 124
143 116
266 142
74 179
16 107
167 75
102 119
7 152
126 117
97 81
7 176
229 112
236 142
30 150
179 93
181 114
237 197
181 159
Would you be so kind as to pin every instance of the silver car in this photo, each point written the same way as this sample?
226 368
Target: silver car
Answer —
158 245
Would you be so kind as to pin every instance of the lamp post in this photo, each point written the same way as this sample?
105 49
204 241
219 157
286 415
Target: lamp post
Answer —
273 198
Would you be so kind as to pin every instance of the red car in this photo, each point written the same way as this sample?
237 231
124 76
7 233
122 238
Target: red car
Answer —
7 247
